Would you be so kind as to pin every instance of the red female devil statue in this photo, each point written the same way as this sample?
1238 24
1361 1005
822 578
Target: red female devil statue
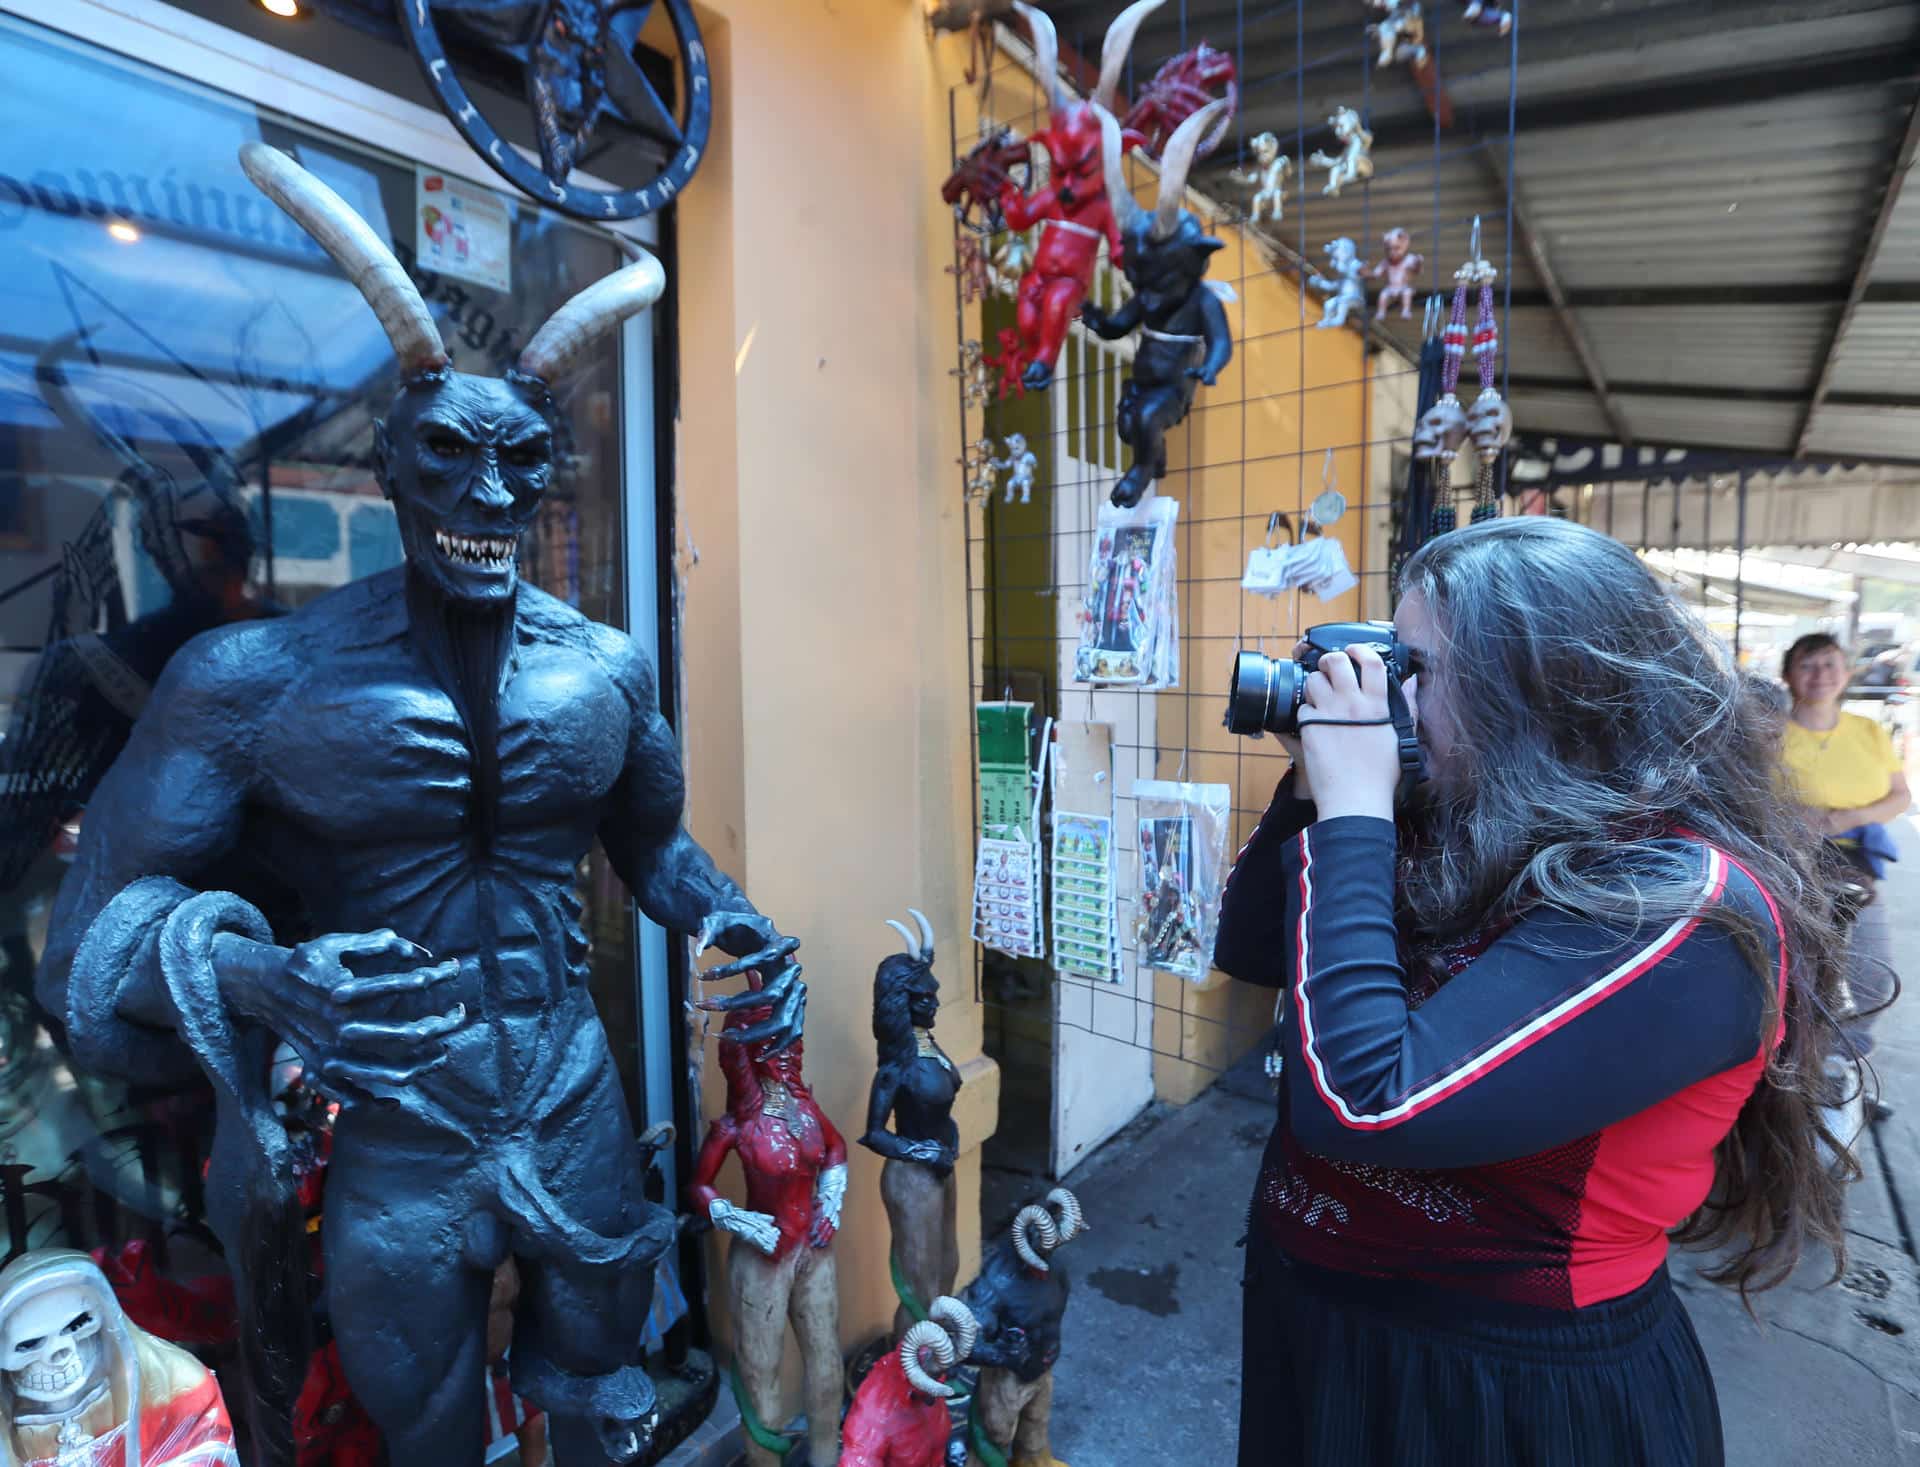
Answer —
1072 208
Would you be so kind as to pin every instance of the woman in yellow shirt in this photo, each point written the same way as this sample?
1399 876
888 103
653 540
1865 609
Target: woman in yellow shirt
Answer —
1845 770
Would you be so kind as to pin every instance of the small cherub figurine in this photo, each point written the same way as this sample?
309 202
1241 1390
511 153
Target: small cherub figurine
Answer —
1011 363
976 382
970 269
1354 163
979 467
1343 290
1487 17
1401 31
1010 261
1398 268
1266 178
1019 466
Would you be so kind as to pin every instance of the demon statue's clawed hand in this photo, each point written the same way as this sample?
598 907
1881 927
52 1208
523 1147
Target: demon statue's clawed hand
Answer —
1186 337
416 764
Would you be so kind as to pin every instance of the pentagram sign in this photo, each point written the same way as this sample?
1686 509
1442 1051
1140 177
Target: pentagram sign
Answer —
577 57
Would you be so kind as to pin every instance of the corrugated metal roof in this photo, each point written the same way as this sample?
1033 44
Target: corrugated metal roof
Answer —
1880 356
1841 431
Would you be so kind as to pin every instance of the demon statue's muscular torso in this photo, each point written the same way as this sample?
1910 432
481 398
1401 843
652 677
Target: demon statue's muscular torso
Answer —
423 757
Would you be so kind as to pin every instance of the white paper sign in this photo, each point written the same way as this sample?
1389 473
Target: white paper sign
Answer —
462 230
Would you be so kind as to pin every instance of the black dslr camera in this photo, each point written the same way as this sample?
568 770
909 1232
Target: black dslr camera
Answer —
1265 694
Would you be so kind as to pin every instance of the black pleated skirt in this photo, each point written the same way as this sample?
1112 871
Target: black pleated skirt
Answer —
1344 1371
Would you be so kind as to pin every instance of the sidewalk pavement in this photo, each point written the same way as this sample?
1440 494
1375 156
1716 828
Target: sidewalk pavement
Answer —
1149 1372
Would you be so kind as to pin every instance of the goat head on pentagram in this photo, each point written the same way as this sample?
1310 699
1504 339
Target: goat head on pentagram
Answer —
577 57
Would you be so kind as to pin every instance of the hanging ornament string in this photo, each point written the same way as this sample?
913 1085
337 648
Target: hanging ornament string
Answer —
1490 423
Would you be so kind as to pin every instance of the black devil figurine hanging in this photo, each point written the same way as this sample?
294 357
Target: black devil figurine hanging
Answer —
1183 328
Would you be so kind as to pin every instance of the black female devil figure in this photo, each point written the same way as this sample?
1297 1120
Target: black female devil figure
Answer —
915 1083
1182 323
420 759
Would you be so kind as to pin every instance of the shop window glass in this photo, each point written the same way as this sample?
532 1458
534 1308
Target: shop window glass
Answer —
187 393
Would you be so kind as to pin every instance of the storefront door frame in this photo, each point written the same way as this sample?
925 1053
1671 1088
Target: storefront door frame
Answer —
211 55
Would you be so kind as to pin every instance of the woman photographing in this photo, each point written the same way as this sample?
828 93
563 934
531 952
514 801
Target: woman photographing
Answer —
1558 1004
1844 771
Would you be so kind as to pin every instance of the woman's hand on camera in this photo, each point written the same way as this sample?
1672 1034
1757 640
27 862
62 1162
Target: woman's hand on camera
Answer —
1356 770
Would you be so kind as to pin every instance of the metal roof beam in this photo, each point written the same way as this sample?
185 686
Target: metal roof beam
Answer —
1890 293
1536 252
1863 273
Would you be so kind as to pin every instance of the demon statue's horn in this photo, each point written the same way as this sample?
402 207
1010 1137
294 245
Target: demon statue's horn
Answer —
926 932
949 1331
1035 1226
1113 50
369 264
912 942
1046 53
591 314
1070 1219
1176 161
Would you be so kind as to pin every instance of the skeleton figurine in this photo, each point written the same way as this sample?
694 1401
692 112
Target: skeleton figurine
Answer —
1343 289
85 1387
1267 178
1354 163
1019 1300
1398 267
976 379
970 270
780 1266
915 1084
1185 339
422 758
1401 32
1019 466
899 1416
978 464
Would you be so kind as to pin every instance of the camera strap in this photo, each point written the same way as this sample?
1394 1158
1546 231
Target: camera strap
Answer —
1413 765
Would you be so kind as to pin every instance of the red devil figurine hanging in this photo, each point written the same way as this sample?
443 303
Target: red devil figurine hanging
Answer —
1072 209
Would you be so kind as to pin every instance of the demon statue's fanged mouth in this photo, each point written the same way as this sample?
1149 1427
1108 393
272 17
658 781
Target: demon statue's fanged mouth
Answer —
480 550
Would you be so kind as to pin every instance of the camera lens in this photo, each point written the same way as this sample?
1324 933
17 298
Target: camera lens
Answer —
1264 695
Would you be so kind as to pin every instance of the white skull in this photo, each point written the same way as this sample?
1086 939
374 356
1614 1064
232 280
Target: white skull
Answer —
1489 423
1441 430
49 1343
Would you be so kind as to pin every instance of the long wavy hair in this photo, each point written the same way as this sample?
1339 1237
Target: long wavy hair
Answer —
1591 715
893 984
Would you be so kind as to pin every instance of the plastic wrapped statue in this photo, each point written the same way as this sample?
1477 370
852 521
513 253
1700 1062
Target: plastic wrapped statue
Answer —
780 1266
1343 289
1354 162
914 1084
1072 209
1011 257
1398 266
1267 178
423 756
1185 339
899 1416
85 1387
1019 1300
1019 466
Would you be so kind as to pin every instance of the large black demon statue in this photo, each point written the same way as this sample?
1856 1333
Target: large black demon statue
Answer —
423 757
1184 335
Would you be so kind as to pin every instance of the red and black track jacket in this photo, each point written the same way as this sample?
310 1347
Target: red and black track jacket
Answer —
1528 1127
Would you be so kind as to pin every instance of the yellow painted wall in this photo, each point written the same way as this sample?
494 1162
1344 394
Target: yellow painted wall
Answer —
821 545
